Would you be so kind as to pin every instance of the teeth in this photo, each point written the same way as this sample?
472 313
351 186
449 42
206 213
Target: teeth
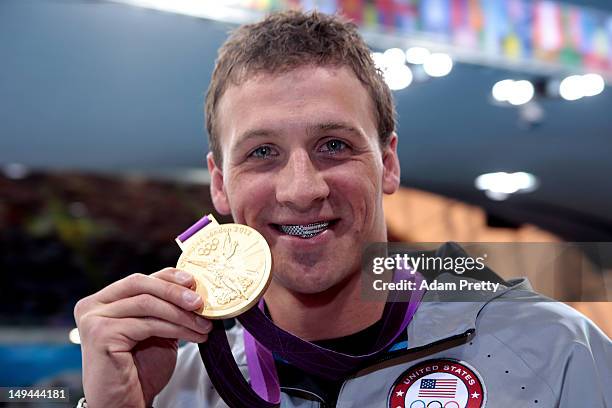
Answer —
305 231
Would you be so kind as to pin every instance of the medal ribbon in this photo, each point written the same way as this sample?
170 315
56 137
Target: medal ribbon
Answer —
262 339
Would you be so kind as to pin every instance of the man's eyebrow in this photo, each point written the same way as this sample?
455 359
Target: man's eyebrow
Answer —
326 126
251 134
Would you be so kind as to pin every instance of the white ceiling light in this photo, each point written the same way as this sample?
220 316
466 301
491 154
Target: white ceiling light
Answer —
379 60
438 64
500 185
394 56
522 92
593 84
398 77
514 92
502 90
571 88
396 73
575 87
417 55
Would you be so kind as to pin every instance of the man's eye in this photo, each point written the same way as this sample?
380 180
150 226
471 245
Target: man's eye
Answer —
262 152
333 146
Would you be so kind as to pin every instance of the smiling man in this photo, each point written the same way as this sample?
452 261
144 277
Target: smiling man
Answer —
306 154
301 128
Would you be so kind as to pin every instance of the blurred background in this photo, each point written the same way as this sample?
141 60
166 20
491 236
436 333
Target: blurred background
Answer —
505 125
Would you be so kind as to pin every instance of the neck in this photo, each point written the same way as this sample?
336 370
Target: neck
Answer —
337 312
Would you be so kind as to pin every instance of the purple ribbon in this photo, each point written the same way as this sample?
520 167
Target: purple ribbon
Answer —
201 223
310 357
262 371
263 339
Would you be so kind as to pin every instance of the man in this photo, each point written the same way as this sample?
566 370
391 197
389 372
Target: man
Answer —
301 129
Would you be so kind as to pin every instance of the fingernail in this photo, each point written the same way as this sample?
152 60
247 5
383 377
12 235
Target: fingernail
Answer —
183 277
190 296
203 323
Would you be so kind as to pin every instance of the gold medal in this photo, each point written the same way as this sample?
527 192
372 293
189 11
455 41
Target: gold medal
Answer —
231 264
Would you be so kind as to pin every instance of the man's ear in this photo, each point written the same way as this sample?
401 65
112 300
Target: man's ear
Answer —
217 188
391 166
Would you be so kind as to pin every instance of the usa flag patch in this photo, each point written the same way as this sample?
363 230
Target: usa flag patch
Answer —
440 383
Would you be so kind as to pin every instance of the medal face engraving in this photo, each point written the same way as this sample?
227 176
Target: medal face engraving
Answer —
231 264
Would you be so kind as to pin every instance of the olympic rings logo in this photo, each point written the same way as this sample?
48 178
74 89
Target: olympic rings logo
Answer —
430 404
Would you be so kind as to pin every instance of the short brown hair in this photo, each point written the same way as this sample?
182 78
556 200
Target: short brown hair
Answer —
287 40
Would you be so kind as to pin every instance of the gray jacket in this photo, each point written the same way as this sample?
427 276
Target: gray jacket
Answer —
513 348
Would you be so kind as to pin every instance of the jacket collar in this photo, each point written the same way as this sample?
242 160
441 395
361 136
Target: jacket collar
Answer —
445 314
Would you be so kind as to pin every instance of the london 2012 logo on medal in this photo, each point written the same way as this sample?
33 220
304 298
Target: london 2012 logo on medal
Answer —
231 264
441 383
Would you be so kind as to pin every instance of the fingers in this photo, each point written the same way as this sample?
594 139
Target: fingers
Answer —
177 276
146 305
105 336
115 321
139 329
170 284
132 309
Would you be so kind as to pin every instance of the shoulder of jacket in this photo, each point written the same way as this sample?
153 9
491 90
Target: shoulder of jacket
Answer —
527 314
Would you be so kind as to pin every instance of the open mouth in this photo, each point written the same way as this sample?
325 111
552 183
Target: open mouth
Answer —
305 231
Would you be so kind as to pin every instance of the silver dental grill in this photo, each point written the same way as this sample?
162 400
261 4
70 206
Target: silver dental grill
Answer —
305 231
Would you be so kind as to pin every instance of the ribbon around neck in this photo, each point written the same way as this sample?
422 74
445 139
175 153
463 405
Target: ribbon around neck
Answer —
263 339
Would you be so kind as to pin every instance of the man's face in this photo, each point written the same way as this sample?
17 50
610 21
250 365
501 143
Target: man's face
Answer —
301 149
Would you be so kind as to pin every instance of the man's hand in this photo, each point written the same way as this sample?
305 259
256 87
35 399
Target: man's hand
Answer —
129 336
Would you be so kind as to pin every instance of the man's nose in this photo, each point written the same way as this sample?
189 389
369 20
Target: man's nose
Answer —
300 184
